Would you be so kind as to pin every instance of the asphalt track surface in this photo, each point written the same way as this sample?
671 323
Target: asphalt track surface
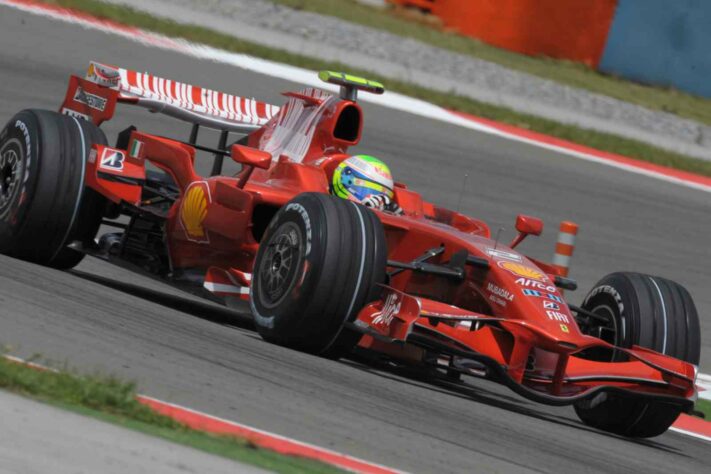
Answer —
74 443
195 354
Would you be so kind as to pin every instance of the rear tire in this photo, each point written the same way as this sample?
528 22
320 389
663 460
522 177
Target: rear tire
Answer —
647 311
44 205
320 261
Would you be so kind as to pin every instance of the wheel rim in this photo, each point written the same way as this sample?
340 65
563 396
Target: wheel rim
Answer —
11 160
278 269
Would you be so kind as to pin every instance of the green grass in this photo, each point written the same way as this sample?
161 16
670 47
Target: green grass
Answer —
601 141
112 400
704 406
565 72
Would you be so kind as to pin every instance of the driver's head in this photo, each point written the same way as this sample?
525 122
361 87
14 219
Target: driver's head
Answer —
361 176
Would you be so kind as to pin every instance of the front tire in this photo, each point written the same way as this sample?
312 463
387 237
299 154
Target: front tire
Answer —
647 311
44 205
320 261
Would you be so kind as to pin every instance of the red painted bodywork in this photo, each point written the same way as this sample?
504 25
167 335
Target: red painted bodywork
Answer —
212 227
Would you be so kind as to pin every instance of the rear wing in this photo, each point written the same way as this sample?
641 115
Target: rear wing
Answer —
94 98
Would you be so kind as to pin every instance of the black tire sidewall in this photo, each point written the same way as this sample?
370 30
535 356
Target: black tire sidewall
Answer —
607 294
279 319
650 309
22 128
657 314
343 263
52 210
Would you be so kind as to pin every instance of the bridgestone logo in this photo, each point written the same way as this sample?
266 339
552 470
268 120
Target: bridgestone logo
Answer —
610 291
26 133
93 101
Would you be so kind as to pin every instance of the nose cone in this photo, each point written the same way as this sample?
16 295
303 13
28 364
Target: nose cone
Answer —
518 289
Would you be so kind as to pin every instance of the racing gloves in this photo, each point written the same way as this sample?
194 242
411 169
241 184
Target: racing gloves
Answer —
381 202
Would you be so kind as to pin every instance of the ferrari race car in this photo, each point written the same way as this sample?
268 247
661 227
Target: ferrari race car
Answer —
325 275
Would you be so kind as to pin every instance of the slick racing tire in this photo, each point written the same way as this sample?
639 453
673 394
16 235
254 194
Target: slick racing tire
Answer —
44 205
320 261
646 311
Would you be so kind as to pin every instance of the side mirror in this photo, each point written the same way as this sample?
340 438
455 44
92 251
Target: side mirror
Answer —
529 225
249 156
526 225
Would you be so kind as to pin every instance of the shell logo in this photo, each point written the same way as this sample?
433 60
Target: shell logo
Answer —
522 271
193 210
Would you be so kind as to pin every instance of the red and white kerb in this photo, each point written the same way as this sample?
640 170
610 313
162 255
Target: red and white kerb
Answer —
564 247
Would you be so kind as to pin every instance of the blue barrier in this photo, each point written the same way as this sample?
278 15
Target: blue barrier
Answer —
663 42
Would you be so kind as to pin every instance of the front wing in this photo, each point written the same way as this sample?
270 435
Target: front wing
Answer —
532 362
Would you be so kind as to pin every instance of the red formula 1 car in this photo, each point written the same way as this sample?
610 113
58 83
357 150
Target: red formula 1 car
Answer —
323 274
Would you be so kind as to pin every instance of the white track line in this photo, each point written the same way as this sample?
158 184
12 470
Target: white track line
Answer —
691 433
703 383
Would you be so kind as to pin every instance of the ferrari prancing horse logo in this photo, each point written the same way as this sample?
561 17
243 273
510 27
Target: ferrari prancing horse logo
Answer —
193 211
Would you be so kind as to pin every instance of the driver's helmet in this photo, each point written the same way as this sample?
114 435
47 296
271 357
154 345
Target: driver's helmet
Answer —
361 176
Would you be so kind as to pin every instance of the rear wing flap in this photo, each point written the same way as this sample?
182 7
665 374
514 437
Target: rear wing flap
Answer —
95 96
